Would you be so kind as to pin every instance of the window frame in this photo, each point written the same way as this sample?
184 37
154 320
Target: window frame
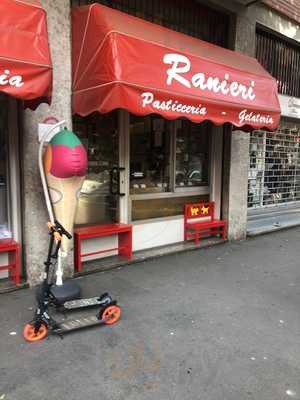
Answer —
174 191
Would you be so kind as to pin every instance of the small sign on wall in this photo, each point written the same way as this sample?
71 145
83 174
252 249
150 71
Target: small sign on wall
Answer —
45 127
290 106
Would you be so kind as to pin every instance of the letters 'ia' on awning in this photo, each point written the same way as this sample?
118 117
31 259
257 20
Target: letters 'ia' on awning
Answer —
120 61
25 62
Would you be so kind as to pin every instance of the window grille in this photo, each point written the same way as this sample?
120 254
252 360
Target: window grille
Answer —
184 16
281 59
274 170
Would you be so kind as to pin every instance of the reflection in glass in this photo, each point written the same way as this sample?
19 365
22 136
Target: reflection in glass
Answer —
149 155
99 135
192 146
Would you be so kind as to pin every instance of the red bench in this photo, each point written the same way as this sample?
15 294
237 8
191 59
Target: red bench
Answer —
199 220
13 267
124 232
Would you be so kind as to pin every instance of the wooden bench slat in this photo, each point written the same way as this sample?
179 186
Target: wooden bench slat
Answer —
8 244
99 229
207 224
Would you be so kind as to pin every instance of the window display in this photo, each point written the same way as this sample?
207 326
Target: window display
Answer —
99 135
192 154
4 193
166 156
149 155
168 165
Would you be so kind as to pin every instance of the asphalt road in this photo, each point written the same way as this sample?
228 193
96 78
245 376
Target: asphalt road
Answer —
213 324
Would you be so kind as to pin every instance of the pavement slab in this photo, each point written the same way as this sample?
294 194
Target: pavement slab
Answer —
221 323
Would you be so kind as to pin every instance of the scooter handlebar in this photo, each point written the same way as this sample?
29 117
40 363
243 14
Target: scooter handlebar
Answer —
62 230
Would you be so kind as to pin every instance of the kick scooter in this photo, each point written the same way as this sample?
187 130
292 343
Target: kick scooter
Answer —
65 298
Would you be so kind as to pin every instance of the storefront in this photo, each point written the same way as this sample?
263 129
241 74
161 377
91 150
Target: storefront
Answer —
144 169
150 106
25 77
274 169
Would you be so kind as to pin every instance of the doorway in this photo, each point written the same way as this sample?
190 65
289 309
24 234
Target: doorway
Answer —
99 198
10 193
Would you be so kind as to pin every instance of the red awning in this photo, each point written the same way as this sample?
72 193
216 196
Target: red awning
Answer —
120 61
25 62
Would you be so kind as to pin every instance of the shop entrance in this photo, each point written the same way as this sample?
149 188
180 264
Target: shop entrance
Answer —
143 170
99 198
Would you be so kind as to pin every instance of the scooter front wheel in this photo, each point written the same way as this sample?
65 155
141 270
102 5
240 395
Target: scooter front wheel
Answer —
30 334
110 314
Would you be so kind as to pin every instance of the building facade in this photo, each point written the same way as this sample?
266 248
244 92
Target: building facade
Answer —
167 163
274 165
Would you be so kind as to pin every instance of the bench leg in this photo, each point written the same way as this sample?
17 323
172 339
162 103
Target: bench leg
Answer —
17 269
14 260
125 244
77 254
224 232
197 237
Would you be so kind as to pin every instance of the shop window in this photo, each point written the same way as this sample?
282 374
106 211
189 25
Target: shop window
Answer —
192 158
169 163
168 166
99 135
149 155
4 193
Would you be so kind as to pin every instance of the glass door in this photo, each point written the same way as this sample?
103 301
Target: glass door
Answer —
99 197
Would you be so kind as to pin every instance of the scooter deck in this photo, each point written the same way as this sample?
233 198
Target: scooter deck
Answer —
90 302
74 324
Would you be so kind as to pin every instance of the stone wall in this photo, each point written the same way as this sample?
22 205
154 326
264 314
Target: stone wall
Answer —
35 214
236 146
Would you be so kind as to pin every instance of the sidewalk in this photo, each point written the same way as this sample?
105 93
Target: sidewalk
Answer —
272 219
221 323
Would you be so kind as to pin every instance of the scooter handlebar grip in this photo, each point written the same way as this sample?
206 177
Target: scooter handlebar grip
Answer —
62 229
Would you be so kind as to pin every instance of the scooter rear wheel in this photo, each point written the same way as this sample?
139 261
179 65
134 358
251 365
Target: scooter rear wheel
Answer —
110 315
31 336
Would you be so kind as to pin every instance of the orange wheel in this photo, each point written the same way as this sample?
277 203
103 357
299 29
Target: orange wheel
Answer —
31 336
111 314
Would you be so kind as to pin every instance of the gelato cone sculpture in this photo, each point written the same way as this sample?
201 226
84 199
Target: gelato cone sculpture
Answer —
65 166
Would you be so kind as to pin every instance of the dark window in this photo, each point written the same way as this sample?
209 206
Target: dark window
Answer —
4 184
281 59
184 16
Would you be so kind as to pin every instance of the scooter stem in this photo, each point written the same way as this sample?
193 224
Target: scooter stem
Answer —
42 171
59 271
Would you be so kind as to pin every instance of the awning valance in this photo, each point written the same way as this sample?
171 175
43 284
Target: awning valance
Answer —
25 62
120 61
